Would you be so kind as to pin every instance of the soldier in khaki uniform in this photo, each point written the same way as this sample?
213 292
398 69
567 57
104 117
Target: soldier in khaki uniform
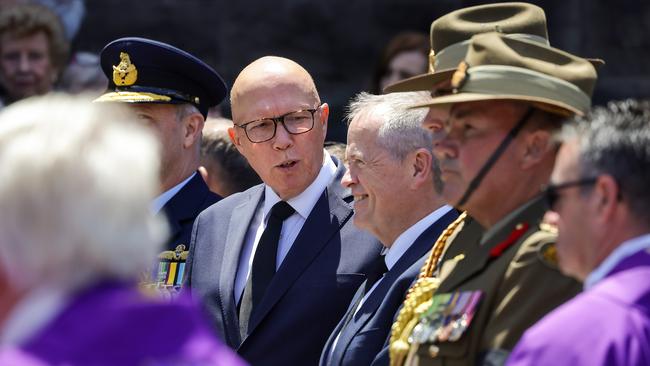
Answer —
497 276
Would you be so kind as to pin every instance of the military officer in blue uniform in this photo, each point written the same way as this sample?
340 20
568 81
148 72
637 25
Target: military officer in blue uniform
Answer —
171 91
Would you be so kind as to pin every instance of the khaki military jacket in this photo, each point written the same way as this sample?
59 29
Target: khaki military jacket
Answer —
512 266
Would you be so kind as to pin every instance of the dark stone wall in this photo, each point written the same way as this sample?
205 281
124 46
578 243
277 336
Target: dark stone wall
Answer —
338 41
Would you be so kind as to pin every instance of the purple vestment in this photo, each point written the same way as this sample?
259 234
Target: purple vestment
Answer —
608 324
116 324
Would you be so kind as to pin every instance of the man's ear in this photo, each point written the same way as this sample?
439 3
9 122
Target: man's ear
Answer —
606 197
536 146
324 115
193 125
420 163
233 137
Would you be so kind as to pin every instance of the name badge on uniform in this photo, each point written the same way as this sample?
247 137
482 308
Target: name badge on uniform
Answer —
447 318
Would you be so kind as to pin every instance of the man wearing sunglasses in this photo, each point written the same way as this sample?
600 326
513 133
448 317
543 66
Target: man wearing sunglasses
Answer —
600 198
278 264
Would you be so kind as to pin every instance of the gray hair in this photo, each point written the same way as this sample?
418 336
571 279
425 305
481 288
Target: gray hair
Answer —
615 140
402 131
185 109
76 182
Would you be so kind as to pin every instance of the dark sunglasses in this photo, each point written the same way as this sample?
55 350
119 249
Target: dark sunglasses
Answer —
551 192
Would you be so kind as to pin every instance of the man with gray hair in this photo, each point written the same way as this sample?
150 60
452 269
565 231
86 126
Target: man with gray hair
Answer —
395 181
76 181
599 199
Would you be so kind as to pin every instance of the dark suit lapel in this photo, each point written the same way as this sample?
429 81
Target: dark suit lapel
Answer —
347 318
477 247
417 250
240 220
326 219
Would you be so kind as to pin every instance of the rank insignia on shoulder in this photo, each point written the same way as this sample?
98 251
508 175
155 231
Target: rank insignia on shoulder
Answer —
447 318
516 234
548 254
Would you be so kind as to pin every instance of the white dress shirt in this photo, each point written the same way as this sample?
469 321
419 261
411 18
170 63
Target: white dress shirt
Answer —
627 249
404 242
161 200
302 203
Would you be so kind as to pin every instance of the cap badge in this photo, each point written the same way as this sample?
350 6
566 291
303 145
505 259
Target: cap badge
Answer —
432 61
125 73
459 77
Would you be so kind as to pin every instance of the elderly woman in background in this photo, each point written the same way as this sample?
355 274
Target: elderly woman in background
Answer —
33 51
76 182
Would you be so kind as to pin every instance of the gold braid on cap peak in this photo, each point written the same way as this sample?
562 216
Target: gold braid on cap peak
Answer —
418 297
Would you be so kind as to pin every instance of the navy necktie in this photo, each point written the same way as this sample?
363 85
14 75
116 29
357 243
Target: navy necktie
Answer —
263 268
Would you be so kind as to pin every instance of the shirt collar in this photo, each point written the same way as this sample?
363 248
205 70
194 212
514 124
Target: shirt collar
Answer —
305 201
408 237
161 200
627 249
509 219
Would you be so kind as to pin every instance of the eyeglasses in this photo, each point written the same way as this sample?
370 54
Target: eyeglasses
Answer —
551 192
264 129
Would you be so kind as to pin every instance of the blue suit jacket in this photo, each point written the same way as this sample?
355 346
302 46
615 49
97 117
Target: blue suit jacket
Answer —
311 289
184 207
367 332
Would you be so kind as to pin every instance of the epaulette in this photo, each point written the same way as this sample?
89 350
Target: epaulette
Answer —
547 251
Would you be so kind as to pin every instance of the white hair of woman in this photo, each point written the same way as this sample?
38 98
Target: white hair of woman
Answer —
76 181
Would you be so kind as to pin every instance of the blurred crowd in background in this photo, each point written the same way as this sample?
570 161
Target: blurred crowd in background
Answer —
347 46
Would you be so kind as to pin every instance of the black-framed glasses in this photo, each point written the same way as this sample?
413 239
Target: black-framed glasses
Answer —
552 191
264 129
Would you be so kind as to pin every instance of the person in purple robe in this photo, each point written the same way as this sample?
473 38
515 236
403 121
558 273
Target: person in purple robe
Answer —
76 230
600 198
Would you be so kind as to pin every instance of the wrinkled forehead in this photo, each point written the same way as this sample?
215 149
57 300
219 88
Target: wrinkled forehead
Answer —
272 99
364 128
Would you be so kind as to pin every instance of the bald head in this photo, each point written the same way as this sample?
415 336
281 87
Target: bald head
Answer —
266 75
267 89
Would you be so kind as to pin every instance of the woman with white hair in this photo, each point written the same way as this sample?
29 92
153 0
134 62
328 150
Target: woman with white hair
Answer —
76 181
